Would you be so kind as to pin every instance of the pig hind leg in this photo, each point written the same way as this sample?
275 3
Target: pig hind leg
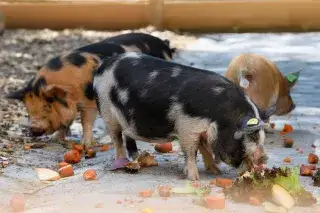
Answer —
209 163
132 148
190 146
115 132
88 117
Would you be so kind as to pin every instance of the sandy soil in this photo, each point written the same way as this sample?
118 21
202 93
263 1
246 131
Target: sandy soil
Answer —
22 52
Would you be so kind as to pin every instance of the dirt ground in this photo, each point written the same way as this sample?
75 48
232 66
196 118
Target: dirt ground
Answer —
22 53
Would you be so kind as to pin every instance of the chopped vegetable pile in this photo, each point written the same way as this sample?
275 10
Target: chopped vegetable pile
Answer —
260 183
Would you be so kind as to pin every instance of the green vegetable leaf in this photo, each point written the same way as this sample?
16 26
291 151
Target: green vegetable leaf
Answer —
291 78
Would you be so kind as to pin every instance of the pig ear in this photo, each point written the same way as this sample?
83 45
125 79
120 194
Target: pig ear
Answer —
54 91
292 78
17 95
244 83
248 126
266 114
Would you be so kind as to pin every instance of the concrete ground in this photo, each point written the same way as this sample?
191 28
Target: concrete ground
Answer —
73 194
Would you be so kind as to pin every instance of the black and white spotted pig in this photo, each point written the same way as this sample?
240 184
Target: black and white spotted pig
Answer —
148 99
63 86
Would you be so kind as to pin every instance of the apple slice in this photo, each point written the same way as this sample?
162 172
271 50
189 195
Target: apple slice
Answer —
47 174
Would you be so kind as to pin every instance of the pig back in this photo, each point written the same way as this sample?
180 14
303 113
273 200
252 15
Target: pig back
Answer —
153 86
263 77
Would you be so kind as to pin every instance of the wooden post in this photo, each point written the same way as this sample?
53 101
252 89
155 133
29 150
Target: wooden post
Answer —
155 13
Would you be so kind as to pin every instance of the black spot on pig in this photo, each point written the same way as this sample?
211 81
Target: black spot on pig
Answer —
131 146
147 43
19 94
38 84
61 101
102 49
150 121
54 64
88 91
106 64
76 59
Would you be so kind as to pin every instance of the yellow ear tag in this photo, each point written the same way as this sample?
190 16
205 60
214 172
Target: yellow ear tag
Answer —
252 121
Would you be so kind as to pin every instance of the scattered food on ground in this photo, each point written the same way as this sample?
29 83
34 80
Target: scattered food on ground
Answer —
287 142
191 188
313 158
282 197
164 191
66 171
78 147
265 184
47 174
163 147
99 205
147 160
255 201
133 167
4 162
17 203
90 174
147 210
145 193
27 147
287 128
35 145
72 157
223 182
62 164
104 148
305 170
215 202
271 208
312 167
90 153
316 178
287 160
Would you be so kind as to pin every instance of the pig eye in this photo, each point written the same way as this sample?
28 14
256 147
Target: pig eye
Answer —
254 136
49 99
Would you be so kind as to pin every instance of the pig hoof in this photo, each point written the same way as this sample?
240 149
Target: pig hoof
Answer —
215 171
135 155
119 163
89 144
193 176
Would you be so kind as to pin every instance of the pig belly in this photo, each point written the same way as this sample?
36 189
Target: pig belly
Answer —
129 128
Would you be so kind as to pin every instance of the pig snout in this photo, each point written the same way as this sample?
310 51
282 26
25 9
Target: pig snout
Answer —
37 128
259 157
36 131
292 107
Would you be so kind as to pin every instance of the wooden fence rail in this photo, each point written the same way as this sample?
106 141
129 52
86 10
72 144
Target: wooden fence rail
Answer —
218 15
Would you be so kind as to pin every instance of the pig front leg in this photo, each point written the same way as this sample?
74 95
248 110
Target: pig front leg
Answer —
189 146
115 132
269 129
61 134
88 117
209 163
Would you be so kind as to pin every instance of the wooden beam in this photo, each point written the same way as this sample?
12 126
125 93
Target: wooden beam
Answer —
217 15
91 15
242 14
